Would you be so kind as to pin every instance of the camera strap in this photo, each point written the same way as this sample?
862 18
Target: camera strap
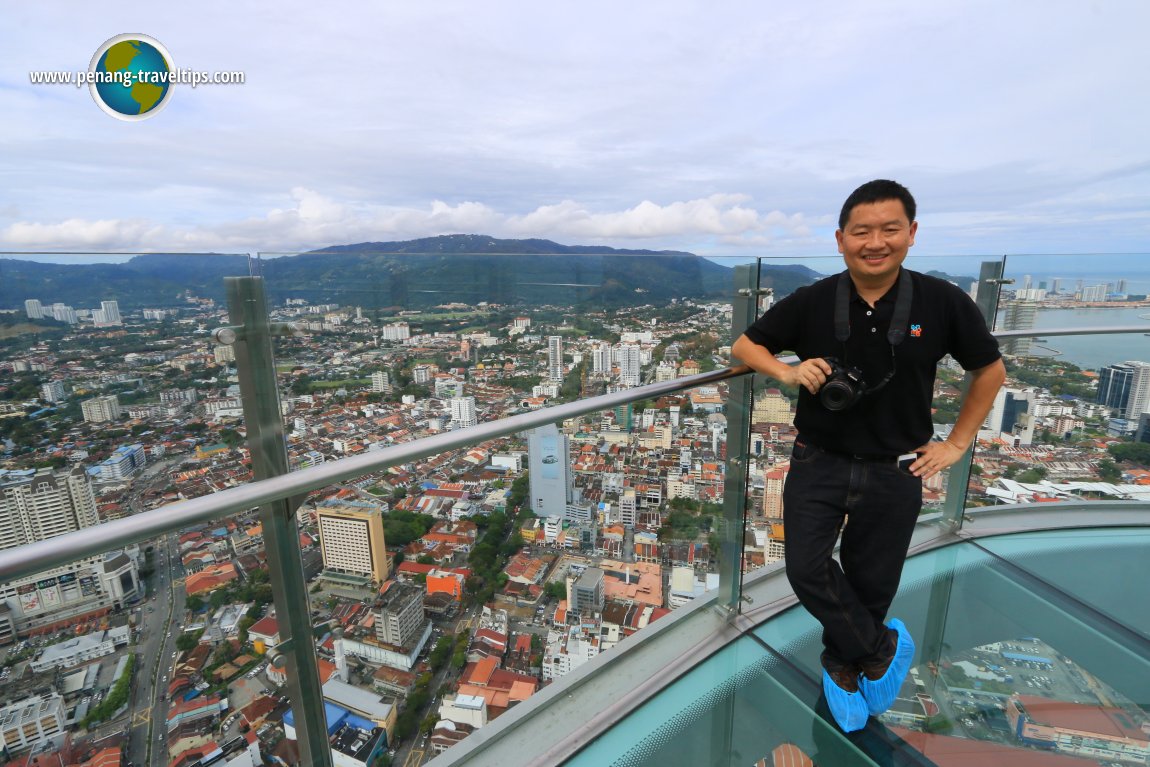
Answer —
898 321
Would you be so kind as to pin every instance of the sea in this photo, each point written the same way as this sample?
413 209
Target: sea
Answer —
1095 351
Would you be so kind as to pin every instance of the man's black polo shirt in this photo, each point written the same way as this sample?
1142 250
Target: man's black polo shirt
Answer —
897 418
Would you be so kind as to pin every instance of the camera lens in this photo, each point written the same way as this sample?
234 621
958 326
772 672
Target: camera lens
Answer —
837 394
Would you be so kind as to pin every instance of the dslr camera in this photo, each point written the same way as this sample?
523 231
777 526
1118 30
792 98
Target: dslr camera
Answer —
844 386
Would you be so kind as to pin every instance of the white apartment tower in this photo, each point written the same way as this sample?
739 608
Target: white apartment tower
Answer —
45 505
108 315
601 358
53 391
630 365
381 382
34 309
463 413
555 358
101 409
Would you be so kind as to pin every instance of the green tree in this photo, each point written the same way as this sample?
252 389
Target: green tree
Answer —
1108 471
1133 452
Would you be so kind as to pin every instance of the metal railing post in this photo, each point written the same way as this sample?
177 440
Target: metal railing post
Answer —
252 335
733 528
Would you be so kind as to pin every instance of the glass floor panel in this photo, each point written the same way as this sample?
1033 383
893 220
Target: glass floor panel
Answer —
1032 649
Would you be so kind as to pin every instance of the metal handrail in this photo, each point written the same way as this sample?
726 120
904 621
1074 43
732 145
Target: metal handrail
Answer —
42 555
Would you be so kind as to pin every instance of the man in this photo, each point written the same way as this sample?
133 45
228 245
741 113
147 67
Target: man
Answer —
864 443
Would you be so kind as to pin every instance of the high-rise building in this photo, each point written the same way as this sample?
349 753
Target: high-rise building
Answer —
1018 315
34 309
549 471
224 353
399 614
101 409
381 382
63 313
555 358
772 406
107 315
1125 388
587 594
351 539
53 391
42 506
463 412
630 365
601 359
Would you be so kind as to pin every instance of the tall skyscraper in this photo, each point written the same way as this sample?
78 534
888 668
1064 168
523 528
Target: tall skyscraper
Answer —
630 365
555 358
34 309
1125 388
351 539
463 412
549 471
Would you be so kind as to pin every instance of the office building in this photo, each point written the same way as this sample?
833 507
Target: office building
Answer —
1125 388
352 542
399 618
101 409
463 413
549 471
587 592
555 358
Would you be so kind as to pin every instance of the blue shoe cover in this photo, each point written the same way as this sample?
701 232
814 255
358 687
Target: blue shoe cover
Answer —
848 708
880 694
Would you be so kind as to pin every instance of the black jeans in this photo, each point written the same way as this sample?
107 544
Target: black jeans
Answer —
883 502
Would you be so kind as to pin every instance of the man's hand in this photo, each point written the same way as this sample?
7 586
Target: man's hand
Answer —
810 374
933 457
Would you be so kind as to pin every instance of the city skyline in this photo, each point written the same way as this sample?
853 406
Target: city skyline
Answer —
725 133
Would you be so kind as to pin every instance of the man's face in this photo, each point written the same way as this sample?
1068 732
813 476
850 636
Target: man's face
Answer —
875 240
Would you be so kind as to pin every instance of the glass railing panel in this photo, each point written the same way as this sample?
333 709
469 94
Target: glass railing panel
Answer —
400 346
1068 424
114 399
728 710
994 642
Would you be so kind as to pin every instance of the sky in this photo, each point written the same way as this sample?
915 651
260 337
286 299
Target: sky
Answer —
728 129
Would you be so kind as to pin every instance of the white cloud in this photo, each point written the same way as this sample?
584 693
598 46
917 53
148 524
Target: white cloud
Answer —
315 220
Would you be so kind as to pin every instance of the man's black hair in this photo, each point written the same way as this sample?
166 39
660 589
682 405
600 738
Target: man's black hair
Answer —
879 190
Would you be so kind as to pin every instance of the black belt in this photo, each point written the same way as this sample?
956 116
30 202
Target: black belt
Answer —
865 457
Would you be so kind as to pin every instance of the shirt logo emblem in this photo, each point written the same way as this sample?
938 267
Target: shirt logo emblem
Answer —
916 330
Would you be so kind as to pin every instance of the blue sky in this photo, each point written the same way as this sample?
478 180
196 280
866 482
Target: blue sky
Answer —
731 129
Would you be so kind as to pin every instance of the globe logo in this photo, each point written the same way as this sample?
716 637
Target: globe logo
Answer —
131 77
